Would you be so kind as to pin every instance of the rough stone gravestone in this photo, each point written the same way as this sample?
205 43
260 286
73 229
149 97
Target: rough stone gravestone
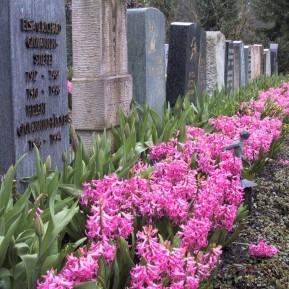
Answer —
229 66
216 48
247 51
146 56
186 55
202 68
33 83
256 60
240 45
101 84
274 58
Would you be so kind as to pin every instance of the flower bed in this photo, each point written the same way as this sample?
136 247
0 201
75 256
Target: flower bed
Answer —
178 205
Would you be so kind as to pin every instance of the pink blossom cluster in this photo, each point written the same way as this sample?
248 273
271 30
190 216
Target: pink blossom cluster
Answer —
176 266
69 86
262 249
194 185
263 131
79 269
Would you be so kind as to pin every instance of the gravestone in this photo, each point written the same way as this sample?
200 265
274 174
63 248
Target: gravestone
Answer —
274 58
229 66
166 55
202 68
186 61
33 83
101 84
240 45
247 58
237 67
146 56
267 62
216 48
256 60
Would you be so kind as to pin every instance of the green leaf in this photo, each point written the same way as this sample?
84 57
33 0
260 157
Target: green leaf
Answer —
87 285
5 242
30 263
6 187
4 273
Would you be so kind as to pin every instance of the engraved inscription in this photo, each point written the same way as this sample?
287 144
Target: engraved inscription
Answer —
42 59
54 90
36 109
31 76
54 74
32 93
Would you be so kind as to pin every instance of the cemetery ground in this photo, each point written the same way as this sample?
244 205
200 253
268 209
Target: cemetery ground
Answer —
269 220
43 241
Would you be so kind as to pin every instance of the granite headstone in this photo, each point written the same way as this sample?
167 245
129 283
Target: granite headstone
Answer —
146 56
166 55
33 83
186 55
229 66
216 48
241 61
274 58
247 66
267 60
237 65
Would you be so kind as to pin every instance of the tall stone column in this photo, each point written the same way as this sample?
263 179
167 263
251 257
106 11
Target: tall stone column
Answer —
101 84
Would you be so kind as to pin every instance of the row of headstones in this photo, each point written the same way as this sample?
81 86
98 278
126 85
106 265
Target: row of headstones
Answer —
193 61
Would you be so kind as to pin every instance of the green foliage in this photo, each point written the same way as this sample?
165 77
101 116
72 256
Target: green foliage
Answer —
28 247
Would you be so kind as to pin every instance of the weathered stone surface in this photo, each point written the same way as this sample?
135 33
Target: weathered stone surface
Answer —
267 62
101 84
256 60
166 55
237 68
202 67
33 90
247 59
146 56
229 66
274 58
216 48
240 45
186 62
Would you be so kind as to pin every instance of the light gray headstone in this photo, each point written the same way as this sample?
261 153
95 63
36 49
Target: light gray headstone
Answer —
33 83
247 53
256 60
166 55
240 47
146 56
216 48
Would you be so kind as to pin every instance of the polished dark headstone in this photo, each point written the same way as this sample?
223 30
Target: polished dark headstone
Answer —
146 56
186 61
33 83
229 66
